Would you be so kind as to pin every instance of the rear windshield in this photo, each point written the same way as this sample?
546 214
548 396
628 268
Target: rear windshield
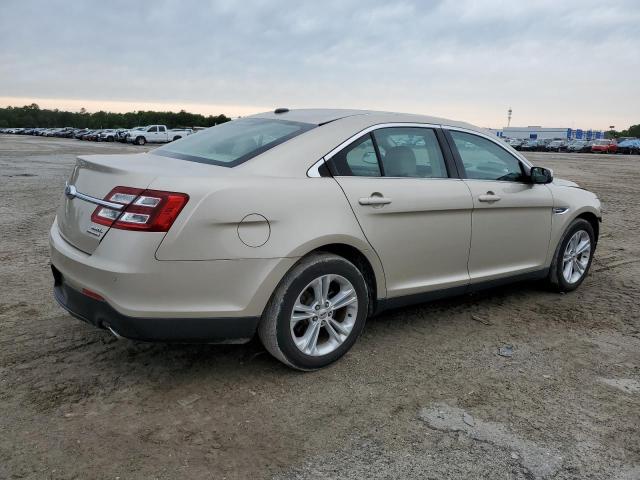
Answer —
233 142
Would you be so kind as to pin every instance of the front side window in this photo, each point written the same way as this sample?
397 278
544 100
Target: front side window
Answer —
484 160
410 152
233 142
153 129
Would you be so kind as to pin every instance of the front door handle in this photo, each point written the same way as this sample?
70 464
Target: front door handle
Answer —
489 197
374 201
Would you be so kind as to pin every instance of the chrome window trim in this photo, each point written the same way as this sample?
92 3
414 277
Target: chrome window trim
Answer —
314 173
514 154
401 178
372 128
313 170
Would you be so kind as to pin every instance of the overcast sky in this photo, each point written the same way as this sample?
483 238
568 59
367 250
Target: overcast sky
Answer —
557 63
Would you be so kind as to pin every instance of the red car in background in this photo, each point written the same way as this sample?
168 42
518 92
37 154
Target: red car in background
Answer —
604 146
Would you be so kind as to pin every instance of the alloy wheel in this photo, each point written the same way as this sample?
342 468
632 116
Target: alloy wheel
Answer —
324 315
576 257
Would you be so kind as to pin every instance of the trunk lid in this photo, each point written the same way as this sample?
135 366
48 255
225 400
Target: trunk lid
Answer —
96 175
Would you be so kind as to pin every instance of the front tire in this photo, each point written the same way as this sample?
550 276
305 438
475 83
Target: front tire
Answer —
141 141
316 313
573 257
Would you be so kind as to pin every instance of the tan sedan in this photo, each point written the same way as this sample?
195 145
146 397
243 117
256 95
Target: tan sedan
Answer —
298 225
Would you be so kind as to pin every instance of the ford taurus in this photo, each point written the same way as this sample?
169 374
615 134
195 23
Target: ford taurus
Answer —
299 225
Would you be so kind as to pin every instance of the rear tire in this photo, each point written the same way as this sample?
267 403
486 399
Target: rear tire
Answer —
573 257
331 301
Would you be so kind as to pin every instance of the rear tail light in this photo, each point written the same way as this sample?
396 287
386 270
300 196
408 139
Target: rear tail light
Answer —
144 210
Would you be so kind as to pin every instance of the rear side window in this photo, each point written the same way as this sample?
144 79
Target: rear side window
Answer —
358 159
410 152
484 160
235 142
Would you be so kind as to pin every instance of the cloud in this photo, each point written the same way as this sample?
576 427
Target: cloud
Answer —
570 63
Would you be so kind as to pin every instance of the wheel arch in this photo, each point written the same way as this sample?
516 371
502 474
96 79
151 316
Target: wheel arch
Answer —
589 214
594 221
362 263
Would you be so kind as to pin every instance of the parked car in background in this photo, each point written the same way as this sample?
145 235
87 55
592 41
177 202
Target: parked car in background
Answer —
178 133
87 135
531 145
152 134
80 132
68 133
124 134
199 240
576 146
556 146
63 132
515 142
52 132
629 146
108 135
95 135
604 146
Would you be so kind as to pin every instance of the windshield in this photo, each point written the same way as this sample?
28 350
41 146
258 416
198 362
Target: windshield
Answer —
233 142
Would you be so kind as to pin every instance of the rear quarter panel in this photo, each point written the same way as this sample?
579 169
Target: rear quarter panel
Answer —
302 214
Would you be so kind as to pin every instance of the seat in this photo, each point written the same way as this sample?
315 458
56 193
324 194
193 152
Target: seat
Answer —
400 162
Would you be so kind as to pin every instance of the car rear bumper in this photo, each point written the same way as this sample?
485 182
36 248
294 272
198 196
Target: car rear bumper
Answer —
189 330
210 300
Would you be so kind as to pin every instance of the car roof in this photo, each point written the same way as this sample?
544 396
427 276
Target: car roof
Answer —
337 126
321 116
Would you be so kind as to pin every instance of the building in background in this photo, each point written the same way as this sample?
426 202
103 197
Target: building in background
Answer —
540 133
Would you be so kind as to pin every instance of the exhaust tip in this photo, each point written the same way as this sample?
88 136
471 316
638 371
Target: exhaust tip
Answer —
113 332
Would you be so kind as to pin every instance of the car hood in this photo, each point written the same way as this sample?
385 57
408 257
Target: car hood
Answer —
561 182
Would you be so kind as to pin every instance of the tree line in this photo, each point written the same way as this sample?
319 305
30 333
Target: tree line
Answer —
33 116
632 131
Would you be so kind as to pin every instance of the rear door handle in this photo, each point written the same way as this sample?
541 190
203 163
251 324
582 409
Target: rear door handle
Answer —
374 201
489 197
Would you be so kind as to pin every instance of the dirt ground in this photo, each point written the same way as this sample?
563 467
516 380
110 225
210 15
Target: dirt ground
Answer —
423 394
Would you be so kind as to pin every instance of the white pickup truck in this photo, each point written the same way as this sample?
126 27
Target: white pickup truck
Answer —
156 134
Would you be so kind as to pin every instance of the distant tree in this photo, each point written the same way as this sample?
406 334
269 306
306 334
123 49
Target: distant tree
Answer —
633 131
33 116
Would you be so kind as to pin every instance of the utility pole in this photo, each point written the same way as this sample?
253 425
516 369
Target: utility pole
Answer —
509 117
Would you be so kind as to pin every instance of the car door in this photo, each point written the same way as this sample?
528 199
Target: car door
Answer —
415 213
152 134
511 216
162 133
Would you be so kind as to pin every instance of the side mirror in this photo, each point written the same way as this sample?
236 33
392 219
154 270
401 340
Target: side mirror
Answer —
541 175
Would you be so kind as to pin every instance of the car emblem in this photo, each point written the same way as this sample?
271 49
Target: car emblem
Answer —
95 230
